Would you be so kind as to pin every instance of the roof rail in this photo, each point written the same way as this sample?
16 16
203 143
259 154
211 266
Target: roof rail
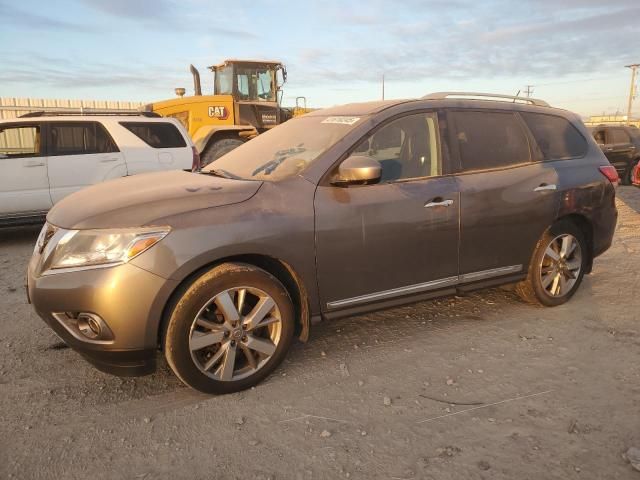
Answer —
61 111
485 96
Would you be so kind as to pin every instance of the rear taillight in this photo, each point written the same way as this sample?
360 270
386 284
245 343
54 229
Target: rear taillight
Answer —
195 163
611 174
635 175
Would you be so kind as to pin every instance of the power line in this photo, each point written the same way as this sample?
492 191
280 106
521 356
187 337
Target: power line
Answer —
529 91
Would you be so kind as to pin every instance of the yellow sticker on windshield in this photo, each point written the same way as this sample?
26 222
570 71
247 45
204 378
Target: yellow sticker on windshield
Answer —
341 120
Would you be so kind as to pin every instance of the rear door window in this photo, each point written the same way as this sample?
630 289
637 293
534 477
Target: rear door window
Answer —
156 134
80 138
556 137
618 135
488 140
20 141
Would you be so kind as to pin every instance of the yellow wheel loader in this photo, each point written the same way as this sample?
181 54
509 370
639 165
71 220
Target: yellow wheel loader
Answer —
245 102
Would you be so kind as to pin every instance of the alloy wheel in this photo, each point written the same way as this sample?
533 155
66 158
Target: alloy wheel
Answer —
235 333
561 265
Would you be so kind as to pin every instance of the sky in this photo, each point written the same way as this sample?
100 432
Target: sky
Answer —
573 52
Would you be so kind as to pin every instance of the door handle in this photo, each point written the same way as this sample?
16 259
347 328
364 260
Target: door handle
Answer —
545 187
33 163
109 159
438 203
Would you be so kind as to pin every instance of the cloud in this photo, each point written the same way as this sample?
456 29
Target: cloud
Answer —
70 75
133 9
173 15
483 42
15 17
599 22
137 9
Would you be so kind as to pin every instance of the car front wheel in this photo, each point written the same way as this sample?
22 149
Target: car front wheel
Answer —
229 329
557 266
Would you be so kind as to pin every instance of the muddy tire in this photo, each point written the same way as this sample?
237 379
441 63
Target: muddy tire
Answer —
557 266
218 149
229 329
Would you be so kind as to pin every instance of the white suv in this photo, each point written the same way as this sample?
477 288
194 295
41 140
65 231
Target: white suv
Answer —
45 157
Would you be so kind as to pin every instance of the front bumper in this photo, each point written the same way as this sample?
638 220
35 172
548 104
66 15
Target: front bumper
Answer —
128 299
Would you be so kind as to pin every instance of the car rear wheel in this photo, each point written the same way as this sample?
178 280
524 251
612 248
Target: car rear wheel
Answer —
230 329
557 266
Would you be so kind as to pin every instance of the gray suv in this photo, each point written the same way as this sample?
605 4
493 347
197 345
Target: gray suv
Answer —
338 212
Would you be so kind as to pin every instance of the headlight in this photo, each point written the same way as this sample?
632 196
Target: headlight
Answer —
84 249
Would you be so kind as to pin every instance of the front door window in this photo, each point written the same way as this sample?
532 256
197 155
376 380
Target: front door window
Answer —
406 148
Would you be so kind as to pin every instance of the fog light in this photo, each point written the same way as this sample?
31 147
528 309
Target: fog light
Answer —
89 325
86 327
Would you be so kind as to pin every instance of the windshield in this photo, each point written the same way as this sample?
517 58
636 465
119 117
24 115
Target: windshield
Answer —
283 151
256 84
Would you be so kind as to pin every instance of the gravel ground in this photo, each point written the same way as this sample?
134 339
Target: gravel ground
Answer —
481 386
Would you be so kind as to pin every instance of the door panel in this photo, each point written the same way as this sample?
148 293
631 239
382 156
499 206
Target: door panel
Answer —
70 173
503 214
506 200
24 185
81 154
619 150
153 146
377 238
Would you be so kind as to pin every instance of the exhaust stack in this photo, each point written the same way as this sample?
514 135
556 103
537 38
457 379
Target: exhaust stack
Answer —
197 89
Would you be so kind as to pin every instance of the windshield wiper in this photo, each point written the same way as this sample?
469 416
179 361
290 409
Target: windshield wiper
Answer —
218 173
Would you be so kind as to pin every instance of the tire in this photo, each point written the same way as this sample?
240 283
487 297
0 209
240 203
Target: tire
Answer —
219 148
205 339
569 270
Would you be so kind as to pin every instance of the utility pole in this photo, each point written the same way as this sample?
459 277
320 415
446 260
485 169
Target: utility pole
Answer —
632 90
383 86
529 91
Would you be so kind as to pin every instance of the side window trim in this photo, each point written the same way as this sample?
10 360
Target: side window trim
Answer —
444 160
535 152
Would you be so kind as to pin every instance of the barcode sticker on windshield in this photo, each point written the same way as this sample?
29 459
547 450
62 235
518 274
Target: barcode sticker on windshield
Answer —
341 120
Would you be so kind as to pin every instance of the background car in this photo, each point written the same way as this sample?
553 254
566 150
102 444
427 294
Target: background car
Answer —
621 146
45 157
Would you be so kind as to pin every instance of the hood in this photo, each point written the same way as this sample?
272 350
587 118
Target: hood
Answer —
140 200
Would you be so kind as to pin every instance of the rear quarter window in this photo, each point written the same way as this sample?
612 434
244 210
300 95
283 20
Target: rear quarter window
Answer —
556 137
156 134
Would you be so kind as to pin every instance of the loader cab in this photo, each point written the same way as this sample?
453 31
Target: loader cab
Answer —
249 81
256 90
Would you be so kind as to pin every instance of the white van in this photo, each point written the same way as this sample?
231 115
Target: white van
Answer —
45 157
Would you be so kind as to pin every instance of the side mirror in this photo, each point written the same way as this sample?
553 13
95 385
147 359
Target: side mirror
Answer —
358 169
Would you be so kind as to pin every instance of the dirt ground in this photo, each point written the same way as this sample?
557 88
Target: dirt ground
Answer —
480 387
